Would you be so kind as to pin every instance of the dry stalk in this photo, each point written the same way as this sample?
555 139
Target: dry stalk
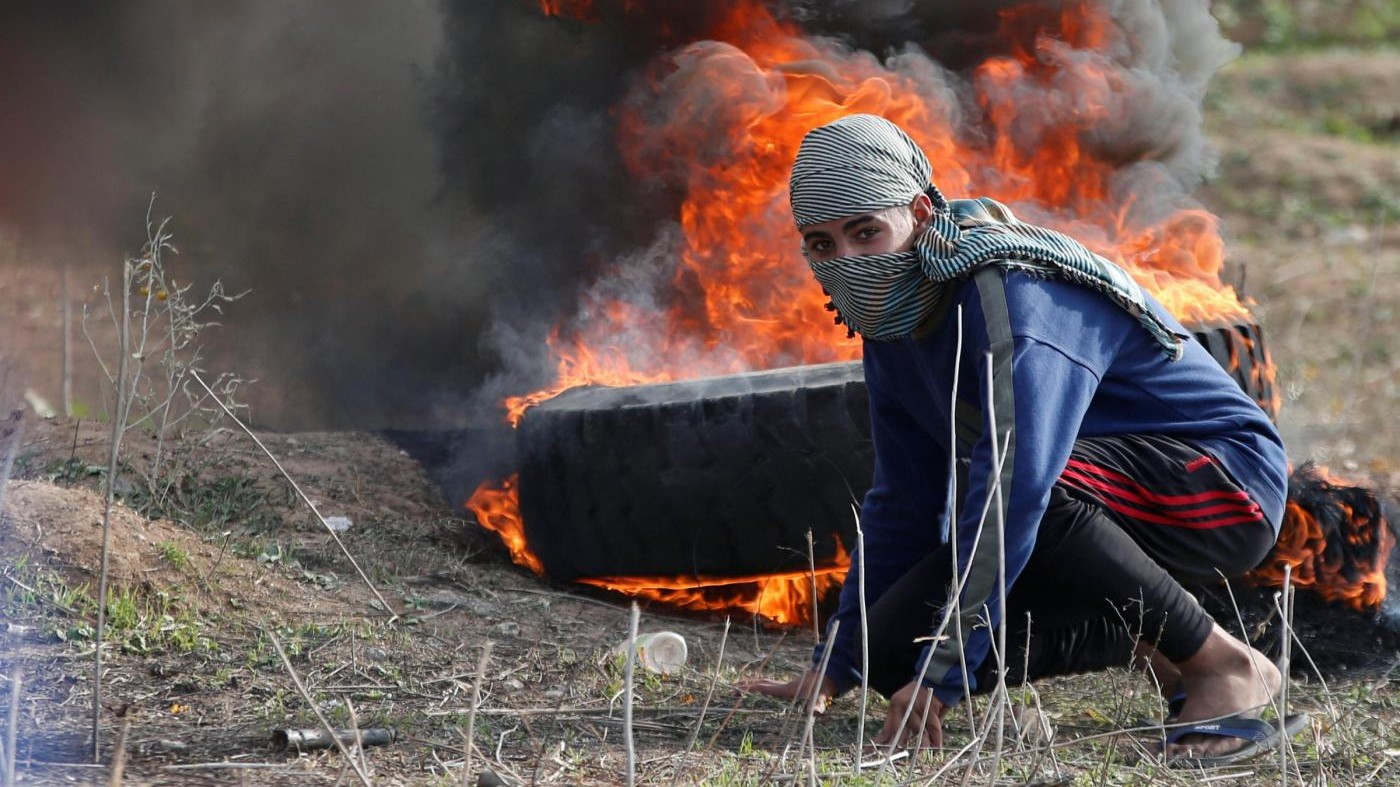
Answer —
12 728
1049 740
632 623
1285 669
224 765
297 488
359 739
13 434
994 492
470 734
1026 689
732 711
953 507
951 611
467 743
119 416
937 776
119 758
1244 635
66 362
1332 711
790 725
806 743
919 744
1287 623
709 694
133 327
864 639
311 703
812 573
998 694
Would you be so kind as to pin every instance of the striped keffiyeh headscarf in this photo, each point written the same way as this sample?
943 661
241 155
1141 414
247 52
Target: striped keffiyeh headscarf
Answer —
862 163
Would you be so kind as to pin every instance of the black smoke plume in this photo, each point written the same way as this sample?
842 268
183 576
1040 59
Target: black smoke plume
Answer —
416 192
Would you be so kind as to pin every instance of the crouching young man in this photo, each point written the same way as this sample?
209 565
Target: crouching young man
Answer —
1107 456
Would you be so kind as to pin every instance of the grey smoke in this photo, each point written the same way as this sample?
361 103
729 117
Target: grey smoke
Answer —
416 192
292 144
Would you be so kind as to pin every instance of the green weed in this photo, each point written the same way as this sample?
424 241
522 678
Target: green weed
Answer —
227 502
174 554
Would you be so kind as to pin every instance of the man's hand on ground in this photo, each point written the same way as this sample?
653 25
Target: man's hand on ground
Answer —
797 688
919 731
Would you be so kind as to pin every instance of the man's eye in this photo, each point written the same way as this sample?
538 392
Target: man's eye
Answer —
866 233
819 246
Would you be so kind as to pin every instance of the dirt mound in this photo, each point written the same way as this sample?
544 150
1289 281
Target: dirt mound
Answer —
62 528
47 526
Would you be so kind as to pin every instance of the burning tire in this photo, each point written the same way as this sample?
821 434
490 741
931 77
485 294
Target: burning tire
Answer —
724 477
1241 351
713 477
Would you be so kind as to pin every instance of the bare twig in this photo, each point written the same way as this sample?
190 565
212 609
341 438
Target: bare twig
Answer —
584 712
309 504
864 639
12 727
812 572
632 622
1332 711
311 703
470 734
1285 668
806 743
999 693
951 611
952 505
119 758
714 679
729 716
1244 637
66 309
119 416
359 736
234 766
12 433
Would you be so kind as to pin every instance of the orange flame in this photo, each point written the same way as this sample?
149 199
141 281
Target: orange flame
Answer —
1303 546
736 108
497 509
786 598
740 105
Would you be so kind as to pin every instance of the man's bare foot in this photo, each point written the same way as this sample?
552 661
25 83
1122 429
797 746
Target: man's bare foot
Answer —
1226 677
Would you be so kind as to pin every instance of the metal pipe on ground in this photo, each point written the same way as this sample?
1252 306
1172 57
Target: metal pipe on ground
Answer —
317 738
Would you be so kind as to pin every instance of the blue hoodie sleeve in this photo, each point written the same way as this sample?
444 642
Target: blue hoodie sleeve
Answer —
1033 411
900 517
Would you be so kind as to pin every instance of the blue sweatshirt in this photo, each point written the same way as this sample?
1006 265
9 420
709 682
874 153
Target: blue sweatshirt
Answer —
1066 362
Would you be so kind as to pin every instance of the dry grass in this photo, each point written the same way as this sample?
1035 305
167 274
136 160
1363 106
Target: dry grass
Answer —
549 707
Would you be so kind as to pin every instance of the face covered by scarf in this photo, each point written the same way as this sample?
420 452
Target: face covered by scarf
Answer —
862 164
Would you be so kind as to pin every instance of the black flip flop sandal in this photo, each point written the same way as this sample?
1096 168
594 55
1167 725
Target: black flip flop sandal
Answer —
1259 737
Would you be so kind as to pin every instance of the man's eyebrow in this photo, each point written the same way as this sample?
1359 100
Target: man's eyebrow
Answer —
848 226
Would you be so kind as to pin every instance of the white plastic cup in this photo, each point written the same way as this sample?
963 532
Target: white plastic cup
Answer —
662 651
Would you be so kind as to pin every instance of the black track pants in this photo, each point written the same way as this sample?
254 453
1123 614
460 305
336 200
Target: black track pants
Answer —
1129 514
